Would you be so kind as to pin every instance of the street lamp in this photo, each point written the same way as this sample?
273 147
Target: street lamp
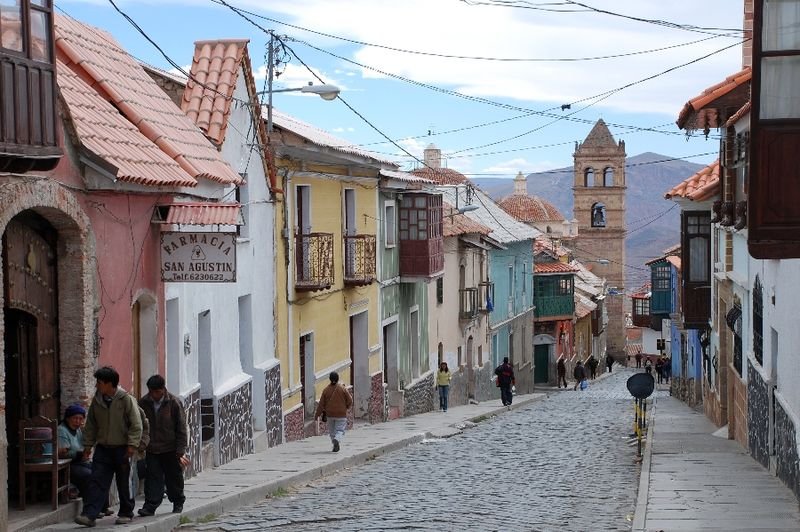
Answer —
324 91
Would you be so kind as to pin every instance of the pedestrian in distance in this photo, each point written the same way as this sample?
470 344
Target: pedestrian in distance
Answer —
660 370
166 451
114 429
561 370
333 407
443 383
648 366
592 364
667 369
609 363
506 381
70 445
579 373
638 360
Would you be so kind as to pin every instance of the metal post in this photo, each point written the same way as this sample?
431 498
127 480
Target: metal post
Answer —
270 67
639 430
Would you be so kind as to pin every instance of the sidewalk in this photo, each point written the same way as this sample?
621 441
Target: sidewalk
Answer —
252 478
692 480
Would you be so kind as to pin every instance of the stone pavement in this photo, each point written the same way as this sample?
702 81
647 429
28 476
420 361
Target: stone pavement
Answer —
692 480
252 478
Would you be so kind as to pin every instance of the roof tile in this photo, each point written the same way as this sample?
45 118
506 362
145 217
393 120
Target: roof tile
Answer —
530 208
553 267
701 186
458 224
115 76
701 112
203 214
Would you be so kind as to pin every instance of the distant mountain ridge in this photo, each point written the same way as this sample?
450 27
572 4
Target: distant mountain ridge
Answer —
653 223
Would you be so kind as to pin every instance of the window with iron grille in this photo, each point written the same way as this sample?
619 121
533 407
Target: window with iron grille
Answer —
440 290
758 322
737 345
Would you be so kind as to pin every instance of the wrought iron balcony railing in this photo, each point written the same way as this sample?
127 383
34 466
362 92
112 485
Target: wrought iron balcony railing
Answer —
359 260
314 261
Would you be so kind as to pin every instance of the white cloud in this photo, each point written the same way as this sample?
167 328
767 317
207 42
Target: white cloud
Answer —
343 129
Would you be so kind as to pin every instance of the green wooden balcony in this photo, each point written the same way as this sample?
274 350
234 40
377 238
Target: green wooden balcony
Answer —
550 306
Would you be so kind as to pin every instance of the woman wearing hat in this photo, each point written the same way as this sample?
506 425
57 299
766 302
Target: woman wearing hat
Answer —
70 445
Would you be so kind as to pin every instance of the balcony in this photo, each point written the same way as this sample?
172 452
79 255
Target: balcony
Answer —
468 303
359 260
314 261
548 307
486 296
420 237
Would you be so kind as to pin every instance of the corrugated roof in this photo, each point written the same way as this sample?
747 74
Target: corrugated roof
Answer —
702 112
319 137
530 208
204 214
553 267
505 228
701 186
208 95
115 76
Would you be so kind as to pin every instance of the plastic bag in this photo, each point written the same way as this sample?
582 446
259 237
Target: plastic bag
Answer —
495 381
584 384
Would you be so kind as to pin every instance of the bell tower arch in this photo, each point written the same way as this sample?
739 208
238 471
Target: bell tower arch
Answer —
599 207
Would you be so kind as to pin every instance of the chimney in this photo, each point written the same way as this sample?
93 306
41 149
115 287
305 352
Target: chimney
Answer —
747 47
433 157
520 185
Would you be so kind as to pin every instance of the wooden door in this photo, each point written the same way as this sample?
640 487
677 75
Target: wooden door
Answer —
541 361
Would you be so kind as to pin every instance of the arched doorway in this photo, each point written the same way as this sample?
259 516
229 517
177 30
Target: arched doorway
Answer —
144 322
543 345
30 318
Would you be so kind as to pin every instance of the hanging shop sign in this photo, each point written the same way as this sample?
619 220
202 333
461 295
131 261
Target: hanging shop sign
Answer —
198 257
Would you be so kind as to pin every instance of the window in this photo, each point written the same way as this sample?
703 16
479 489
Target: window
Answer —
608 177
588 177
243 199
37 24
480 355
598 215
641 307
698 236
565 286
758 321
390 224
460 357
439 290
661 277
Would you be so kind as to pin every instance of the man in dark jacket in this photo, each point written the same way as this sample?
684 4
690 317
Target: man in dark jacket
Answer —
579 373
505 380
167 448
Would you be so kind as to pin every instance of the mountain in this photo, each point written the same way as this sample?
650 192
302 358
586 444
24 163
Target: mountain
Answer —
653 223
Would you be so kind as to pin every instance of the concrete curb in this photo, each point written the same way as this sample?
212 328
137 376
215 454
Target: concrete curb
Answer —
640 511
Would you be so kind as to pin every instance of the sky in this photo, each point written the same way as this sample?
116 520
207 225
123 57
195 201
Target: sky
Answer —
483 80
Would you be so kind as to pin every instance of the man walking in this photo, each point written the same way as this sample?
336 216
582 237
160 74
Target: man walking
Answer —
167 447
505 380
333 406
579 373
561 369
114 428
592 364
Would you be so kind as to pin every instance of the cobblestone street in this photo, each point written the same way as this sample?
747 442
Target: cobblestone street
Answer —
559 464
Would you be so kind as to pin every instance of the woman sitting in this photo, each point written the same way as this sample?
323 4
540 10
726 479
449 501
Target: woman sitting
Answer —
70 445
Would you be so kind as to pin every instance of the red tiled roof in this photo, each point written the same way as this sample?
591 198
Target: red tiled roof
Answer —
103 131
203 214
738 115
701 113
208 94
455 224
546 245
633 333
675 261
581 309
94 56
553 267
530 208
701 186
633 349
442 176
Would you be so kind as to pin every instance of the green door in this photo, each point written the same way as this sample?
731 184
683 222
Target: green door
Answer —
541 361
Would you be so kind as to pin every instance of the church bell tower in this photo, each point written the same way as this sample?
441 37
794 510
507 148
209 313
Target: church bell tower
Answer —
599 207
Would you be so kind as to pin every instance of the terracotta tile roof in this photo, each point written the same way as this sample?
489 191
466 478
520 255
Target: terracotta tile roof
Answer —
543 244
633 333
100 129
583 305
209 91
115 76
455 224
738 115
673 250
204 214
442 176
553 267
406 177
703 111
633 349
701 186
675 261
530 208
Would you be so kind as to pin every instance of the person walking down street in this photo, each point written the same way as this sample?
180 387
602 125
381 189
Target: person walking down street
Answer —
667 369
70 445
638 360
648 366
561 369
505 380
579 373
660 370
443 383
114 428
333 406
166 452
592 364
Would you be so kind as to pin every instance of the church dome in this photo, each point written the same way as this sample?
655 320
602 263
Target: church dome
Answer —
526 208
